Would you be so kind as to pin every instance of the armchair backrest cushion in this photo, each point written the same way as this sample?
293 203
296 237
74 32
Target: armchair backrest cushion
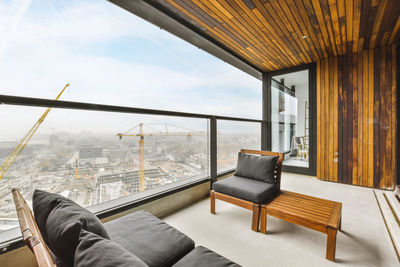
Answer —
261 168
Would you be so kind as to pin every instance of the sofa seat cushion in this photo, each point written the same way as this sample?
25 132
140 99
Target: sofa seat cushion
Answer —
150 239
246 189
93 250
203 257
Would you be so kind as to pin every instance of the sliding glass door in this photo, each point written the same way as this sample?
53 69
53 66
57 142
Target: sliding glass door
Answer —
291 107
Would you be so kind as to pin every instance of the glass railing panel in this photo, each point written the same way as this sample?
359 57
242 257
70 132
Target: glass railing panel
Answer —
233 136
78 154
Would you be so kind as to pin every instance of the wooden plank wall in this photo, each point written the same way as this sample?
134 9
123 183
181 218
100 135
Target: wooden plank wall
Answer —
356 113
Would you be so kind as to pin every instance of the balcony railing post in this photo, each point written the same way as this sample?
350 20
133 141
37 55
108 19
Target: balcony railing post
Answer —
266 112
213 149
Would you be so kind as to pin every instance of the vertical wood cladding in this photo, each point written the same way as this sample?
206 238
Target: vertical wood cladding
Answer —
356 98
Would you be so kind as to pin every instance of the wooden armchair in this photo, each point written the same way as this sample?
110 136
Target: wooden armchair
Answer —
30 231
246 192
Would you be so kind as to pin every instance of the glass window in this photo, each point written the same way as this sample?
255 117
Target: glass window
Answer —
110 56
233 136
78 154
290 117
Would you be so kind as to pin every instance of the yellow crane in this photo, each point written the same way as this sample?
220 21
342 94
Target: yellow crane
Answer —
24 141
141 135
76 168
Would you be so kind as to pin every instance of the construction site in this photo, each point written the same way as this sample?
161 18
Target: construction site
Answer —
92 168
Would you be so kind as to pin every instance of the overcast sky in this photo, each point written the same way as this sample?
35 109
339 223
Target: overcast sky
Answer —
109 56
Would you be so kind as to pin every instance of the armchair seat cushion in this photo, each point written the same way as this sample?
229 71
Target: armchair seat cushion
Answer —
246 189
203 257
153 241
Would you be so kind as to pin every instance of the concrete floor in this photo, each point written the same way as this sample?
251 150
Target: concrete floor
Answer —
363 242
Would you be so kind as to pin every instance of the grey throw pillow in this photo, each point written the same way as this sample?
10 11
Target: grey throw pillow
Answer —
60 221
256 167
93 250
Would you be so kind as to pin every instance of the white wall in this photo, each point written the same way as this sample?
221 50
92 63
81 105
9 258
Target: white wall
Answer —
281 137
302 97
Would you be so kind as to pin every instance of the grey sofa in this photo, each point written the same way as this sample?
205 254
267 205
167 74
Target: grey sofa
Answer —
76 237
158 244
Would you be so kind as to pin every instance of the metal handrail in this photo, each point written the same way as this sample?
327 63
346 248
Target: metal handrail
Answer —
42 102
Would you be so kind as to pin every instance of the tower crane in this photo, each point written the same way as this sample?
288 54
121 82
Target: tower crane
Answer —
188 133
24 141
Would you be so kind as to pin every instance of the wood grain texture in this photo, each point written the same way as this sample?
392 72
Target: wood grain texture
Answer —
268 34
363 86
314 213
30 231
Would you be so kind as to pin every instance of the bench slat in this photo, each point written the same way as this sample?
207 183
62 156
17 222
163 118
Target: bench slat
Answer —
321 205
305 206
315 199
300 212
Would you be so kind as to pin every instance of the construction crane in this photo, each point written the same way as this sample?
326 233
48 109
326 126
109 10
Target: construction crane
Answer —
188 133
24 141
76 168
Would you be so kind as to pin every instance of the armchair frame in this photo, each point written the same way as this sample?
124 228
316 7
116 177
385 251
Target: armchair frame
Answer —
255 207
30 231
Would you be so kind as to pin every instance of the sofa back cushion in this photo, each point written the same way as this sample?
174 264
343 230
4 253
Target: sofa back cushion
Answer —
60 221
261 168
93 250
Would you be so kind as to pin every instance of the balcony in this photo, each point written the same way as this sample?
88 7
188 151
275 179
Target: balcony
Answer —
153 122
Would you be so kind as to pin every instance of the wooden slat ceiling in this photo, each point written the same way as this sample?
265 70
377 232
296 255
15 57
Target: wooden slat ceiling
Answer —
276 34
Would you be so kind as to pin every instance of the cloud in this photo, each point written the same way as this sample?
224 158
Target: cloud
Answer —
58 44
22 7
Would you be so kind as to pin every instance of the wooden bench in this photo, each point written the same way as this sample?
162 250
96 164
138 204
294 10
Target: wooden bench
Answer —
315 213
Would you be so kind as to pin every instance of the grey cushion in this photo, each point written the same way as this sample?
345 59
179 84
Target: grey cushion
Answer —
256 167
152 240
57 261
60 221
203 257
246 189
93 250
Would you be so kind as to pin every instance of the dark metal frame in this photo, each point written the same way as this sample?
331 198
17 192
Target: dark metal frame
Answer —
42 102
213 150
266 129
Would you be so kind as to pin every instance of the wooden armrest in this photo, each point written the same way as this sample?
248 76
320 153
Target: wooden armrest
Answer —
30 231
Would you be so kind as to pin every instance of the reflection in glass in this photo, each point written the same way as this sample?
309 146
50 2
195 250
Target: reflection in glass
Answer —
233 136
290 117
